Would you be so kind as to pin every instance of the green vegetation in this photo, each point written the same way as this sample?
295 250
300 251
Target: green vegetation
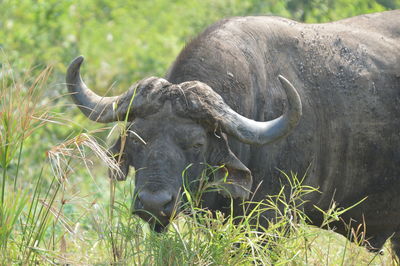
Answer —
57 204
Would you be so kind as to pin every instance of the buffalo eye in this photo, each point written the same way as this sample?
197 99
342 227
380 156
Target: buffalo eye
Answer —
198 145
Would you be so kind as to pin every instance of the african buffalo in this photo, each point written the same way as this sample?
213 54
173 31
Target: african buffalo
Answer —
223 102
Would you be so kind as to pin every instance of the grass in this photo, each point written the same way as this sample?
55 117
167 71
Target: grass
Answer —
62 210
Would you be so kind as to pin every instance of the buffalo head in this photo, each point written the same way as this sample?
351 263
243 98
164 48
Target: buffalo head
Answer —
172 126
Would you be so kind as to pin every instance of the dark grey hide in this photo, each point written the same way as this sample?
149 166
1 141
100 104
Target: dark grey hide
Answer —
347 74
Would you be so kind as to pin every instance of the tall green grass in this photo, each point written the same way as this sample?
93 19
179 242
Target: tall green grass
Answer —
24 217
199 237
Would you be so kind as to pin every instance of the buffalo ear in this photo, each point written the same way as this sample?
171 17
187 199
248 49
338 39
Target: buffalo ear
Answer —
121 159
236 177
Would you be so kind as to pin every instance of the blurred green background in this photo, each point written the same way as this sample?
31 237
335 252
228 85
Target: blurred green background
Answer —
127 40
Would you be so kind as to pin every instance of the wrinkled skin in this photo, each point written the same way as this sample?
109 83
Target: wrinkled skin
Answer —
347 74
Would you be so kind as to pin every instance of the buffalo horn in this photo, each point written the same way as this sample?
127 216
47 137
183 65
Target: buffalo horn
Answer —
95 107
254 132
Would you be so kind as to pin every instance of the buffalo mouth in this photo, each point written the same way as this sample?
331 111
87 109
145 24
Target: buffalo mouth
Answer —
156 223
157 227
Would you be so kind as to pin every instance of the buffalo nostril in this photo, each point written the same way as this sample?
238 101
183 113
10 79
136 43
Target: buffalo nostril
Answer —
159 202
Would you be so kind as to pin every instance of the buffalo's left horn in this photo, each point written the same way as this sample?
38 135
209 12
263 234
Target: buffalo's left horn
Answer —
254 132
95 107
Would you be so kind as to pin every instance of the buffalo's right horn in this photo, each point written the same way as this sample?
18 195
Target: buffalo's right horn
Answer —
255 132
95 107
